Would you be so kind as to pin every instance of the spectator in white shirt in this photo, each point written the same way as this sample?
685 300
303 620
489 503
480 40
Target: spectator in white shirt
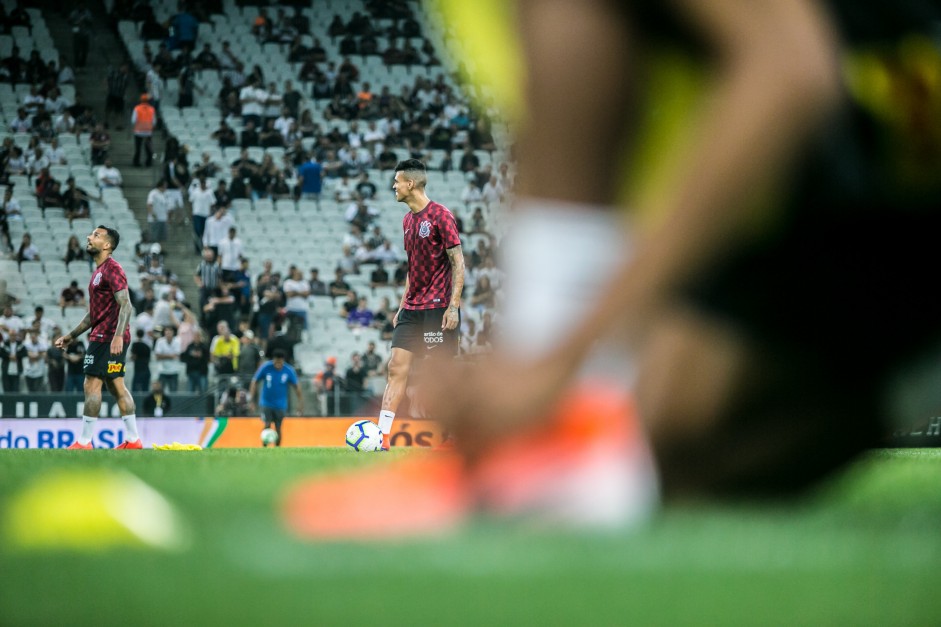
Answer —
386 253
253 100
373 138
230 256
217 228
493 192
283 123
22 123
158 212
56 103
296 291
154 85
167 353
54 153
164 315
33 102
34 368
471 194
37 161
65 123
10 323
11 206
145 322
109 176
202 199
343 190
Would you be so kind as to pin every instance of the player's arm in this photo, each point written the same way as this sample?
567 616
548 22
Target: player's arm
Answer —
80 328
300 399
456 257
395 318
123 299
251 391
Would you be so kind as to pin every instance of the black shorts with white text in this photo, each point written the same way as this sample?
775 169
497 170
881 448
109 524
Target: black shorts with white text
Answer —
100 363
420 332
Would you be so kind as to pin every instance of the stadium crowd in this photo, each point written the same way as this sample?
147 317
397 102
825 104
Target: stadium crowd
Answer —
223 330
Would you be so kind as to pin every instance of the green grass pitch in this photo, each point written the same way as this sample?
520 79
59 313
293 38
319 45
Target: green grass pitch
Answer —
865 548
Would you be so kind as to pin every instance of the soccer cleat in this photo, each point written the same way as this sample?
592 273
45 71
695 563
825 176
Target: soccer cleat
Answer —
587 466
128 444
76 446
407 498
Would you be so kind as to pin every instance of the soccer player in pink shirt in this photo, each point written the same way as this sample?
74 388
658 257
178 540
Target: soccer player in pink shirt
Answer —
429 314
108 317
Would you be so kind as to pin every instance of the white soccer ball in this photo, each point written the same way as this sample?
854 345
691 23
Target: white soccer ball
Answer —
364 436
269 436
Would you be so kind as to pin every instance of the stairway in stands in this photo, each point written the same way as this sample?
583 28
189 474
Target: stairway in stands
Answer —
107 51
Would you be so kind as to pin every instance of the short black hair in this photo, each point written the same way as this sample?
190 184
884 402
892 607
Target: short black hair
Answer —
113 235
410 164
278 353
413 170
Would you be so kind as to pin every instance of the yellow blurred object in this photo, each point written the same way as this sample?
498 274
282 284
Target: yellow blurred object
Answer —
176 446
91 511
482 38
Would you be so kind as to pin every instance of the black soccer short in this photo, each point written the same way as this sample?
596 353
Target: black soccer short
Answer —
99 362
419 332
270 415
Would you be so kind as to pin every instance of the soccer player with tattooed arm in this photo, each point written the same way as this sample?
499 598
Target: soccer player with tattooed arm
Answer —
108 317
429 315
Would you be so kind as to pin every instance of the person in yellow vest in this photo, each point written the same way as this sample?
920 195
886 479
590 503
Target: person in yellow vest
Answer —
224 350
142 121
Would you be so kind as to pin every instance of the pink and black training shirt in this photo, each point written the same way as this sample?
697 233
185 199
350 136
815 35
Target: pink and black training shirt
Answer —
428 235
107 279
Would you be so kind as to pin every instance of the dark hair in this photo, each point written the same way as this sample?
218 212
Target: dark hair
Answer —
414 170
278 353
410 164
113 235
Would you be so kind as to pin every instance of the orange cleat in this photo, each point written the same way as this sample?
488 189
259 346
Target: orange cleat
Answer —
400 499
586 467
128 445
75 446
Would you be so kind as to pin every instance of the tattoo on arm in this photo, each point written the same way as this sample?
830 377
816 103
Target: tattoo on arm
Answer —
82 326
456 257
124 313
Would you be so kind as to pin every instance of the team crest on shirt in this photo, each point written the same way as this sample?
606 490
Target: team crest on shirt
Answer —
424 229
97 280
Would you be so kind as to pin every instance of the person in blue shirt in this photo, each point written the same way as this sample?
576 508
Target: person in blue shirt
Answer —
310 182
184 28
274 377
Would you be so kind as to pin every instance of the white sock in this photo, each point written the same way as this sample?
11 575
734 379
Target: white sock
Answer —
558 259
130 427
88 429
385 421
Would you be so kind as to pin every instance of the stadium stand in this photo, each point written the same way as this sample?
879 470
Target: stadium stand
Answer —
282 229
